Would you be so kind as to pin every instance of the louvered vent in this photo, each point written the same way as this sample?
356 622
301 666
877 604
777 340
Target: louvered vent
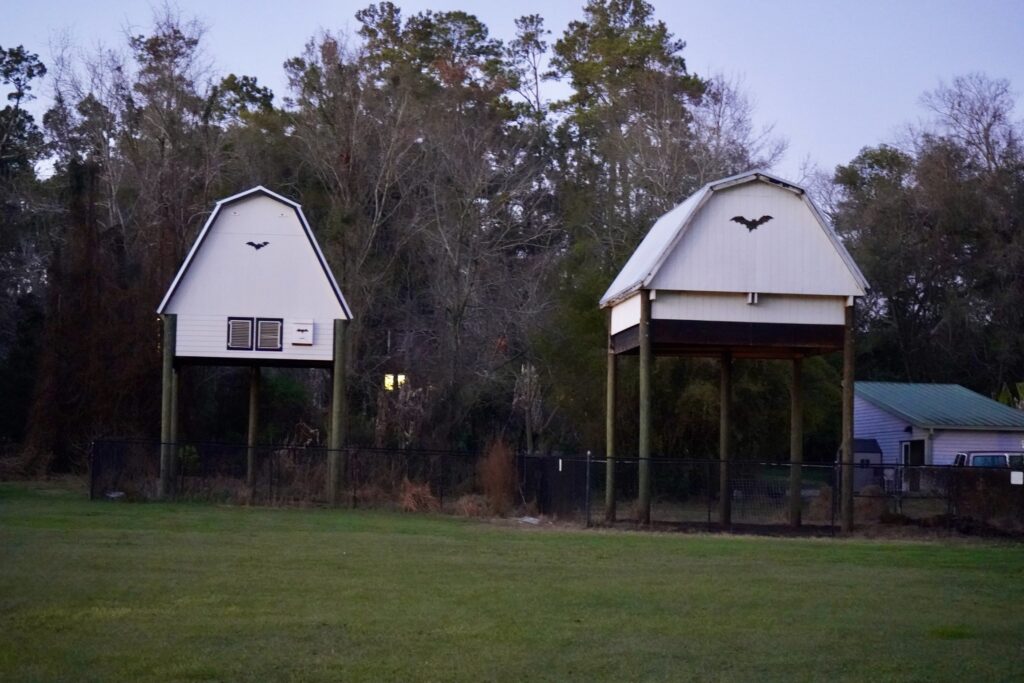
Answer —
268 335
240 334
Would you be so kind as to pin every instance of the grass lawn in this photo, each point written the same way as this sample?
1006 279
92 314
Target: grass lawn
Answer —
136 592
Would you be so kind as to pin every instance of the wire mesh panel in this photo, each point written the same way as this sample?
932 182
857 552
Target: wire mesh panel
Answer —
569 487
559 486
760 493
682 491
124 469
292 476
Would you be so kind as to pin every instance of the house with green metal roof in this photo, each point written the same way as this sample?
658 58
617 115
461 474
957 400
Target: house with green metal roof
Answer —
928 424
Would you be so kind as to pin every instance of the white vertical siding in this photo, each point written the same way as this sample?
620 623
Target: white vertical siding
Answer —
733 307
871 422
946 444
790 254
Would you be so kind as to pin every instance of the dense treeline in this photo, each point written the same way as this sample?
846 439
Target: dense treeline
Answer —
473 225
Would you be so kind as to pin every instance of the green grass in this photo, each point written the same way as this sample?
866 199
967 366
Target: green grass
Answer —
135 592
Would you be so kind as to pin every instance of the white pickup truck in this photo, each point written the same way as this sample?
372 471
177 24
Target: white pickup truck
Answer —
1014 460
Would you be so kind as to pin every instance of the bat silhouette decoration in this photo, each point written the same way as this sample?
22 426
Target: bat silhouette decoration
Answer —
301 329
751 224
257 245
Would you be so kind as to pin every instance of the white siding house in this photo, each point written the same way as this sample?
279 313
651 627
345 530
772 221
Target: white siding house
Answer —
255 287
933 422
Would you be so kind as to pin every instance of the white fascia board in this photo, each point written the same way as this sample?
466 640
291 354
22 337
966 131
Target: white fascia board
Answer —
629 291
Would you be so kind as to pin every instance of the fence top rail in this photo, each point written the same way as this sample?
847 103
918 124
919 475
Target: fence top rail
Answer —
564 457
156 443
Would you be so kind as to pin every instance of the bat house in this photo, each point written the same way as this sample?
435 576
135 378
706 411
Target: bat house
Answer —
255 288
746 267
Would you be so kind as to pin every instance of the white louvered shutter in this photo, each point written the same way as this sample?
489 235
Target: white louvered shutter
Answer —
240 333
268 333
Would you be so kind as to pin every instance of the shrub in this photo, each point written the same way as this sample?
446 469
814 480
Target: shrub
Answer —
820 509
472 505
870 505
418 498
497 474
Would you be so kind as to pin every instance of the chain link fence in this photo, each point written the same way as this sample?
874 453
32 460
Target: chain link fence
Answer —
685 493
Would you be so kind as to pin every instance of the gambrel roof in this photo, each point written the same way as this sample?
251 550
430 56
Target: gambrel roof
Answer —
258 190
665 236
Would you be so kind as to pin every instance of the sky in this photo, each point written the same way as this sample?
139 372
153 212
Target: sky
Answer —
831 77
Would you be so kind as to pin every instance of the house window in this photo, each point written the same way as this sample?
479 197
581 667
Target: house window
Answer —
392 382
268 334
239 334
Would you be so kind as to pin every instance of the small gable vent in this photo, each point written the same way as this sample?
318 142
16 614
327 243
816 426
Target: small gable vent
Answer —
268 334
240 334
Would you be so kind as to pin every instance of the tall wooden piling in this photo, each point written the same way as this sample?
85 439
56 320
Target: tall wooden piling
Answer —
644 450
849 358
253 431
725 441
609 440
336 434
166 483
796 441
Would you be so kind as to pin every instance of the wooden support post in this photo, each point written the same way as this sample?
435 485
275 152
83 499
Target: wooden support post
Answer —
846 510
796 442
725 442
609 440
166 483
251 436
644 453
175 448
336 435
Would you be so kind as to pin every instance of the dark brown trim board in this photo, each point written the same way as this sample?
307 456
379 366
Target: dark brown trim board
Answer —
745 340
249 361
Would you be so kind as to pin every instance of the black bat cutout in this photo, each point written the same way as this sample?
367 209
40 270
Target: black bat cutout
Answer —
750 224
302 329
257 245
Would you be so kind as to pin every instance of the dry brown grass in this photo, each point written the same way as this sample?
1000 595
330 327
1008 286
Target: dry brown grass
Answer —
417 497
820 508
371 495
870 505
497 474
472 505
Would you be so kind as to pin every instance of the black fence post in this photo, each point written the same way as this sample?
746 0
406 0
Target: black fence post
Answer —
440 482
835 497
707 487
587 493
352 474
900 475
92 470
